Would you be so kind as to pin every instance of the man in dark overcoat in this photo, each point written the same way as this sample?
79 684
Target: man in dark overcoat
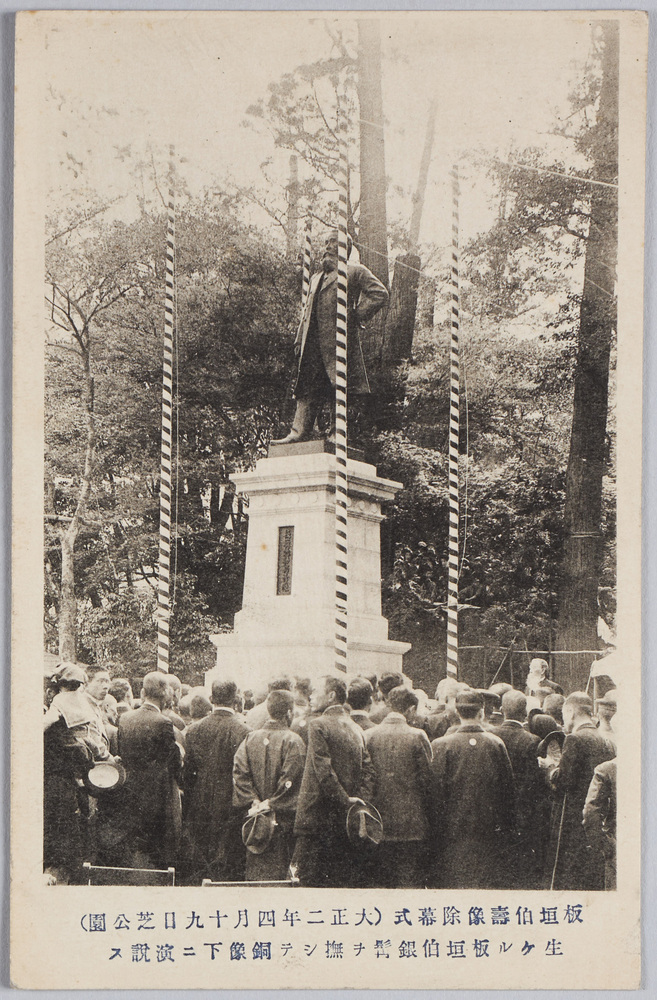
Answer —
599 817
401 758
314 345
338 772
267 778
473 799
150 800
572 862
212 828
526 853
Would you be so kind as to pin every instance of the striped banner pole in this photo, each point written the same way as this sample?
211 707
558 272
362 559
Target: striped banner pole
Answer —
454 415
164 562
341 496
307 253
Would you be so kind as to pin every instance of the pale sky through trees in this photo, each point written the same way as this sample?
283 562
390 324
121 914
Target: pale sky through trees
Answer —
131 84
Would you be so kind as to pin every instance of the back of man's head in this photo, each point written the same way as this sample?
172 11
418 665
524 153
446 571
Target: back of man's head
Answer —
388 681
469 704
199 706
304 687
578 703
279 704
553 705
120 689
281 684
338 686
155 687
224 693
402 698
360 694
514 705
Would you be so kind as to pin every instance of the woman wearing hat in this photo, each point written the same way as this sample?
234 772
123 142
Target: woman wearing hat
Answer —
67 757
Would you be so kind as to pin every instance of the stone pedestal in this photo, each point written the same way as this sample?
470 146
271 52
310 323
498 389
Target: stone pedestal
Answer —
287 621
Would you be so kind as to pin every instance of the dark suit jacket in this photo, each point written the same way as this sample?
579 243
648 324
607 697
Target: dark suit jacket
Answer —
526 855
151 796
362 719
439 722
521 746
338 767
365 296
401 757
211 744
474 803
578 866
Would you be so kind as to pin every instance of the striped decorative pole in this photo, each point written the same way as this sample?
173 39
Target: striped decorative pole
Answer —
341 496
164 562
453 560
307 253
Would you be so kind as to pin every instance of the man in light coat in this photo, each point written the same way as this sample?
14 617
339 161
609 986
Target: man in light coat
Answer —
267 777
314 345
401 757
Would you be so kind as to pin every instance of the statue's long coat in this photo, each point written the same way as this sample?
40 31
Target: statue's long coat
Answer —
366 295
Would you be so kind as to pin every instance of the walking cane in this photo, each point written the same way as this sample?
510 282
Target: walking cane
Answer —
556 857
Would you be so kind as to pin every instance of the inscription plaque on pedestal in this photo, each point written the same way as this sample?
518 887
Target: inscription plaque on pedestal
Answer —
285 547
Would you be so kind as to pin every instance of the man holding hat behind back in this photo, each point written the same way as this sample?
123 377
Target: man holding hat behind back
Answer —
267 777
338 774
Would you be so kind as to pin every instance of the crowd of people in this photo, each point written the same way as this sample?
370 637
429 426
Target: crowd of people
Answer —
354 781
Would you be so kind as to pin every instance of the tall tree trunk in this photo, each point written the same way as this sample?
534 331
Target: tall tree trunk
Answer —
373 227
421 189
68 601
291 230
400 321
583 547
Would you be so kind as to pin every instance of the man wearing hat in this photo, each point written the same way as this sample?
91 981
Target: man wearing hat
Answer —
267 777
473 800
606 709
315 341
572 862
337 775
401 757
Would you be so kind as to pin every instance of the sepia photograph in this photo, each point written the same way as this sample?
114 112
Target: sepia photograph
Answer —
328 365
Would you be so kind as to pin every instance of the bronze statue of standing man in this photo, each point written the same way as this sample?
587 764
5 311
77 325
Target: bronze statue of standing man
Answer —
314 346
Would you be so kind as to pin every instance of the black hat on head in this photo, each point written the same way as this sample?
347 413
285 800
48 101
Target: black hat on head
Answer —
542 725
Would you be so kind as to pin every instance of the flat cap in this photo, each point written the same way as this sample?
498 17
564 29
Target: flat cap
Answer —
73 673
472 698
